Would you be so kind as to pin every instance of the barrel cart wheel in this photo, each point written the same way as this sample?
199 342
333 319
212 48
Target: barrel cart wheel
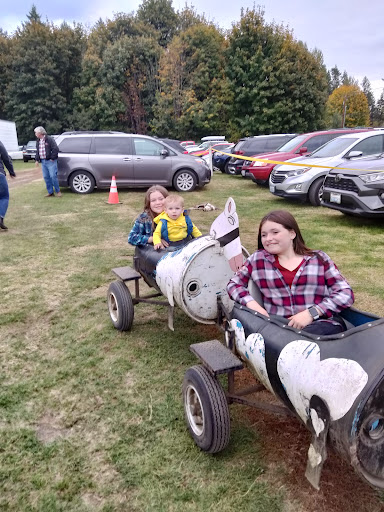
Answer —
120 306
206 410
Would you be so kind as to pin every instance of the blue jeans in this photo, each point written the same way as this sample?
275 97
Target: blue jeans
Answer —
49 168
4 195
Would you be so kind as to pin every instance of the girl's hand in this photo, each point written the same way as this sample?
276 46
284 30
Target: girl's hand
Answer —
150 240
300 320
158 246
252 304
164 243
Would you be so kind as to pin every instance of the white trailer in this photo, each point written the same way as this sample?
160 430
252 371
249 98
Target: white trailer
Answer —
8 136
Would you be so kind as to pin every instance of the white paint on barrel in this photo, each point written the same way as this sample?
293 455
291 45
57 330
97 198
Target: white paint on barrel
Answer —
194 277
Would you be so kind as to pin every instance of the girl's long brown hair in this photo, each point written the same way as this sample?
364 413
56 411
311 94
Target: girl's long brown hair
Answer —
147 199
287 220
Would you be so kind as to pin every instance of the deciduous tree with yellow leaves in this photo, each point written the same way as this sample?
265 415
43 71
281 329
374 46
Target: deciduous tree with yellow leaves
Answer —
347 106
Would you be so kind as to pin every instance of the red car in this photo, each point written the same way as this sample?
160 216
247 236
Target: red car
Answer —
300 145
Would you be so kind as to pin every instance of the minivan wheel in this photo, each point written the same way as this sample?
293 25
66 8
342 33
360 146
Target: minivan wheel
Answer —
315 193
82 182
184 181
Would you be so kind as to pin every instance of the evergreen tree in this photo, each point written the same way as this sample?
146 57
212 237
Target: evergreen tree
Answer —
379 112
119 76
193 99
334 79
45 67
277 84
161 15
6 74
367 90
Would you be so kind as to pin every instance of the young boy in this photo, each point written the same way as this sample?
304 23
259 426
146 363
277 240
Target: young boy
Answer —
173 225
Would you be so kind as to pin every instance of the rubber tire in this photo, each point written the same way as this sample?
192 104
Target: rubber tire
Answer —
207 394
88 176
313 193
191 183
227 171
120 306
25 160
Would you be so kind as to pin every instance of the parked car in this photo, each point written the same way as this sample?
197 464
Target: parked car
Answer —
203 146
221 146
251 146
306 183
300 145
89 159
186 143
219 159
29 152
357 191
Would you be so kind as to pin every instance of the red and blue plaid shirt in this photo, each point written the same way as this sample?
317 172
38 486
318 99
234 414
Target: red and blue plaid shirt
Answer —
42 153
317 282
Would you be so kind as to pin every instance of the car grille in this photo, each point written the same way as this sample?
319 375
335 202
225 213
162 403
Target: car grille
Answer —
277 178
342 184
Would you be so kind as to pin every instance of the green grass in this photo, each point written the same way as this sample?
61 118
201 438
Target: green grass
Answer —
92 418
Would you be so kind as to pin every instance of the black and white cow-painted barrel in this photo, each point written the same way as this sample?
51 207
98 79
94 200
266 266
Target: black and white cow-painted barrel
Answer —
334 383
193 278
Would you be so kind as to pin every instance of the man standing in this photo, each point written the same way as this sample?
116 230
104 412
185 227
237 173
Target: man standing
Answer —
4 192
47 153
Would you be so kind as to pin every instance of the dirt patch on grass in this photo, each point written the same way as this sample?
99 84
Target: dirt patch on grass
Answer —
49 429
25 177
285 443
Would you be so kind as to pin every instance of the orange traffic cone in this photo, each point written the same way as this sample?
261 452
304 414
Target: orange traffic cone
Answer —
113 195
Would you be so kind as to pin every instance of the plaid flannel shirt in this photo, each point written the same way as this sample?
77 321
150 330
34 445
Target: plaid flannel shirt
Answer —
317 282
142 229
42 153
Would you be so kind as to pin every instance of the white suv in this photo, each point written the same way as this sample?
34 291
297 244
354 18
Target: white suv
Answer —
306 183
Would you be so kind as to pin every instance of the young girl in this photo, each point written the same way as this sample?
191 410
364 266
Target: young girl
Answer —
173 225
296 282
142 230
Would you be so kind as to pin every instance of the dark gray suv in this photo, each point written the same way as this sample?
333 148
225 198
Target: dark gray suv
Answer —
90 159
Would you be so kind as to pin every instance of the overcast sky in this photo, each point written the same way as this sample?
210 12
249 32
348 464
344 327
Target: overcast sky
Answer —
348 32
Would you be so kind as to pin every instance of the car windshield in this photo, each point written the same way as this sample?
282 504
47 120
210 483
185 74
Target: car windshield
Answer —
291 144
333 148
31 144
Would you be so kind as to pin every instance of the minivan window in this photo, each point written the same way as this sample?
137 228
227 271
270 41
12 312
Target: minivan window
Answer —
75 145
291 144
146 147
333 148
112 145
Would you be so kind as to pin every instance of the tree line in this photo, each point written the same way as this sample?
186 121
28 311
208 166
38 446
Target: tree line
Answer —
173 74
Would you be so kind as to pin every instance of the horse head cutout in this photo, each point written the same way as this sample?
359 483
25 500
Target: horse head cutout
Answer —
225 229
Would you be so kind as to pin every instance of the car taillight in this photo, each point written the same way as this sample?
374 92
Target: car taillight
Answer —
239 152
185 152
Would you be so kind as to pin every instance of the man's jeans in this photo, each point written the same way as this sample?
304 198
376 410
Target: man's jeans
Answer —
4 195
49 169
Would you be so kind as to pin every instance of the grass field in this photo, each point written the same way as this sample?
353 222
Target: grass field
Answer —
91 418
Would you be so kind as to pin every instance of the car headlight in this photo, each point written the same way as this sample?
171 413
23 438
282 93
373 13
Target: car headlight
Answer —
298 172
258 164
372 178
202 161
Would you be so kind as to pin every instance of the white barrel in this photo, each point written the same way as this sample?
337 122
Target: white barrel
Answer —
194 276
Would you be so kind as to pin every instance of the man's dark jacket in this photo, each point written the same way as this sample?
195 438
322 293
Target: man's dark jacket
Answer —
5 160
51 149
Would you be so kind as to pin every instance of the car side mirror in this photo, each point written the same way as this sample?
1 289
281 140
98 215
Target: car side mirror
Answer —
164 152
354 154
302 150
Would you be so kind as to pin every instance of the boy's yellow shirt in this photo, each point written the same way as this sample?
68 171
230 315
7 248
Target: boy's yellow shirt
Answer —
177 229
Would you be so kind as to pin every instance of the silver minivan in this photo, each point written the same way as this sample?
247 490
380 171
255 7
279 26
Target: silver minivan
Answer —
306 182
90 159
